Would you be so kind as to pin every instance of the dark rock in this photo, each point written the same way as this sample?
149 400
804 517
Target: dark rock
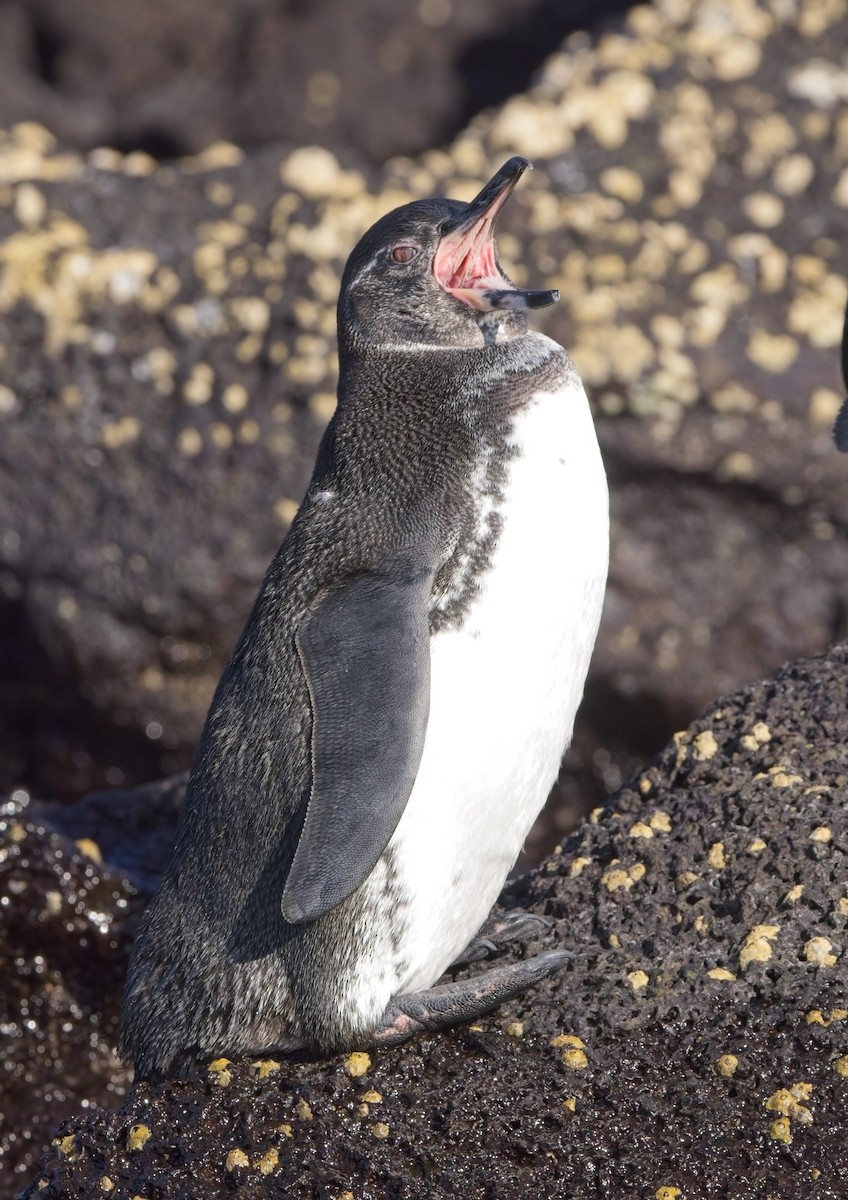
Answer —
684 203
75 878
381 77
707 910
129 579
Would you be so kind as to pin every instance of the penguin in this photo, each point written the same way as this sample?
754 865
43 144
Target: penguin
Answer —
396 710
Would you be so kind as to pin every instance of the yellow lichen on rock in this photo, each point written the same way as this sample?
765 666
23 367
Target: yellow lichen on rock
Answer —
268 1161
620 877
756 947
537 127
781 1131
759 736
787 1102
727 1065
704 746
819 950
286 510
641 830
219 1070
215 157
681 742
615 879
90 849
575 1059
66 1147
137 1137
773 352
764 209
716 856
781 779
120 433
197 389
793 174
622 182
825 404
235 1159
574 1055
357 1064
263 1067
816 1017
189 442
312 171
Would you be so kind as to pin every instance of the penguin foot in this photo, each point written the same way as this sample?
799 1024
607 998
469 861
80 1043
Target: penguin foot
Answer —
516 926
450 1004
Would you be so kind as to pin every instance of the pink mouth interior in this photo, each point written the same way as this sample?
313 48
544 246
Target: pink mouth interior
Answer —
464 263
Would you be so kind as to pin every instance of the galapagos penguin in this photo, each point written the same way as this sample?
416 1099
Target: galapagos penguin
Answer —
396 710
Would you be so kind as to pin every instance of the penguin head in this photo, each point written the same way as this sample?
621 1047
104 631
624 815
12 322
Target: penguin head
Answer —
427 274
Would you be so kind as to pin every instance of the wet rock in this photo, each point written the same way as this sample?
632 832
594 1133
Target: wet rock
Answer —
696 1043
169 342
73 880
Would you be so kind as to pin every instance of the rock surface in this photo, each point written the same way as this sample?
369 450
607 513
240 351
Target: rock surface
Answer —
167 360
66 923
698 1042
380 76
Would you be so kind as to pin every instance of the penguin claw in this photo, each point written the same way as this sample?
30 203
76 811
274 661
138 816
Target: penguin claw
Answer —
450 1004
516 926
476 950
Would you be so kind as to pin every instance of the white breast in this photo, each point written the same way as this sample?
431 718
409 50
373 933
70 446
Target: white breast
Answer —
504 689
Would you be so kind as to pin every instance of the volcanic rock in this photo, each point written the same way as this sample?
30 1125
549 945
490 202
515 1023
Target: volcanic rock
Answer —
169 362
696 1046
381 77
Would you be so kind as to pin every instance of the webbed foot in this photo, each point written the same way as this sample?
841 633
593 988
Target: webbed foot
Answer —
464 1000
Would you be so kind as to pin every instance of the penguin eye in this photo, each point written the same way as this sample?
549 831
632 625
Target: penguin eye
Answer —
404 253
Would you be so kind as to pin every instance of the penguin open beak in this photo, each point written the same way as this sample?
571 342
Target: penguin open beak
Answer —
465 263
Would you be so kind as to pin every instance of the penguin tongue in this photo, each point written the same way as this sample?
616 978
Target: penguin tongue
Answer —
465 263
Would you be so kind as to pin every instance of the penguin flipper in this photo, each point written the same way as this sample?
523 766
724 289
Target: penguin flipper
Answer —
365 650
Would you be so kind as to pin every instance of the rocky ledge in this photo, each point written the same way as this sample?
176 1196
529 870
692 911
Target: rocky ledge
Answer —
167 361
697 1047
